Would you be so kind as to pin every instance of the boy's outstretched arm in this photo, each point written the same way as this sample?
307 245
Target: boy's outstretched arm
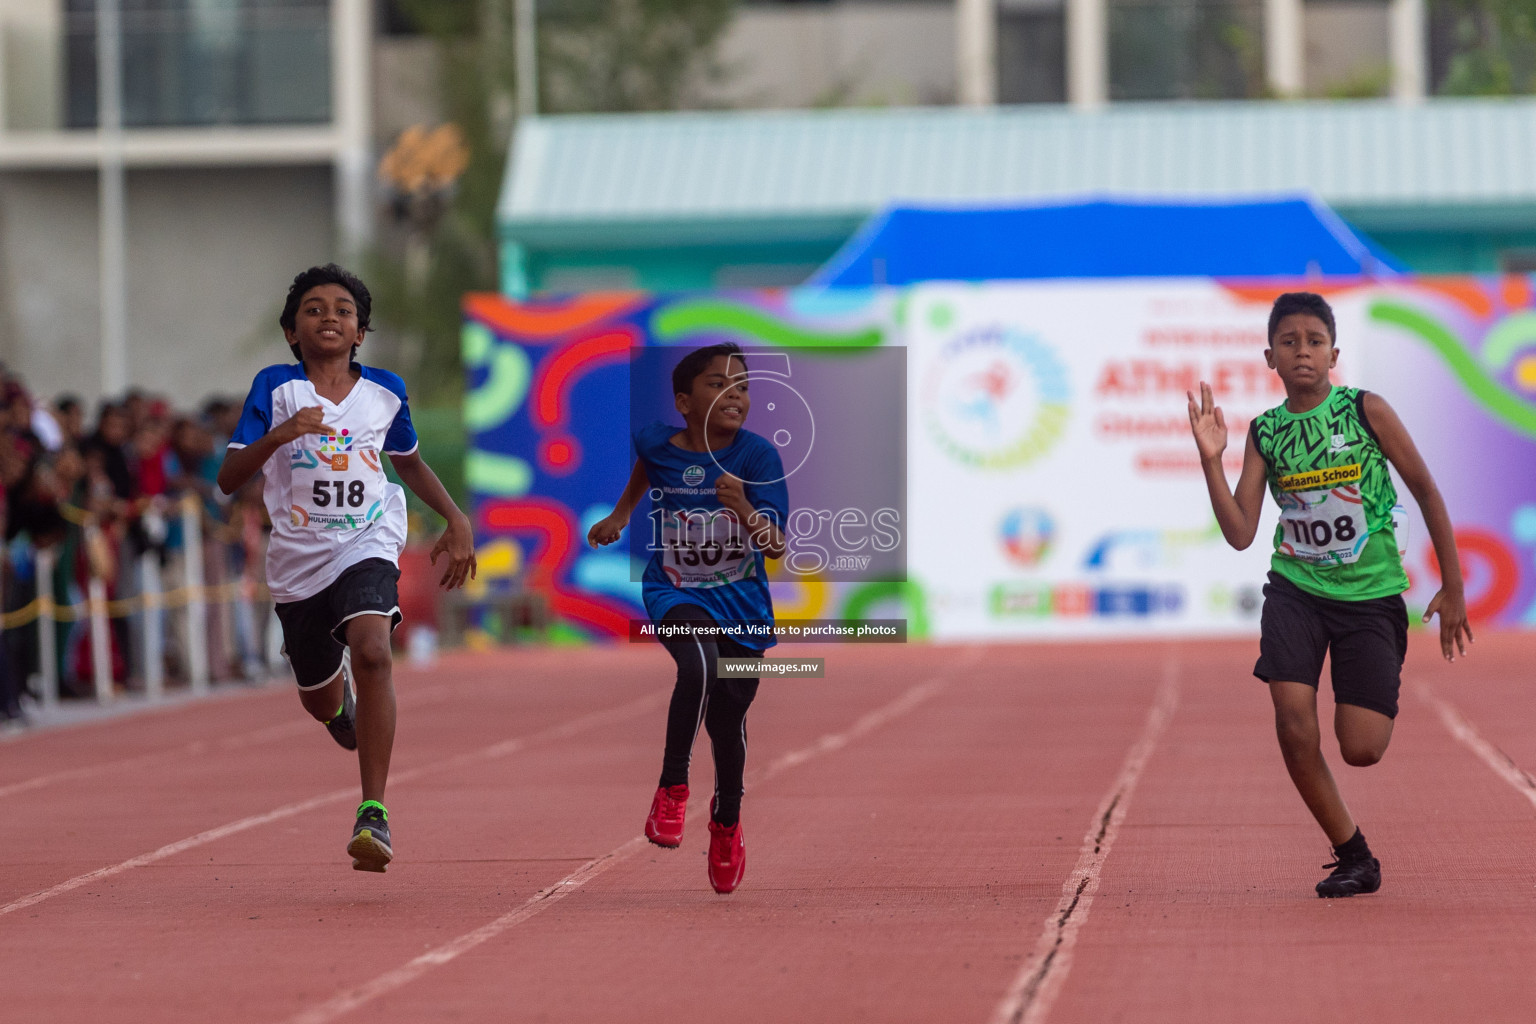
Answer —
607 529
1237 514
458 540
1450 601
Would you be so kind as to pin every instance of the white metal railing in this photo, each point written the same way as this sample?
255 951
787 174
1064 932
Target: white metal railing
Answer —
194 598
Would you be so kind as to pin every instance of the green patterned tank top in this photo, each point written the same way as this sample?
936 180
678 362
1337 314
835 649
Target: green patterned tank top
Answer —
1336 536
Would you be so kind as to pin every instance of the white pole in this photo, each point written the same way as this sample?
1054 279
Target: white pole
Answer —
154 631
1408 48
5 111
351 114
1284 47
197 601
500 103
1087 54
101 639
525 54
111 203
47 637
976 52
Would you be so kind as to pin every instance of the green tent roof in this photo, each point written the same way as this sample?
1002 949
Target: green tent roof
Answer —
655 178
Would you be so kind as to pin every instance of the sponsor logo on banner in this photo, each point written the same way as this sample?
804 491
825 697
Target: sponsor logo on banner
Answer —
996 398
1026 535
1072 600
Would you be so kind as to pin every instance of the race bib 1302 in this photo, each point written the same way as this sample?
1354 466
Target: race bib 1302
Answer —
704 549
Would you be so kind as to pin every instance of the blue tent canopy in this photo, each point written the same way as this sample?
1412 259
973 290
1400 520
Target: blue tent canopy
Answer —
1288 236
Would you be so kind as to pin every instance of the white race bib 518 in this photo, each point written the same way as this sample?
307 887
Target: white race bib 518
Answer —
337 490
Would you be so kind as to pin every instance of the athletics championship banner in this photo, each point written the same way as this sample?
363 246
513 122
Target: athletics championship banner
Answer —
1052 487
1055 487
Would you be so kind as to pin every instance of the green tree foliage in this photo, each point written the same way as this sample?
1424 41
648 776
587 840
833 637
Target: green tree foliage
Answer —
594 55
1495 47
629 54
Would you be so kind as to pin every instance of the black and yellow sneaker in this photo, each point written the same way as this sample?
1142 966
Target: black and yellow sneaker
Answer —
369 848
343 728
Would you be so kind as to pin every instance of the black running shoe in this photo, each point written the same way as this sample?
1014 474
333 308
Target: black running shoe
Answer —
369 848
1350 878
343 728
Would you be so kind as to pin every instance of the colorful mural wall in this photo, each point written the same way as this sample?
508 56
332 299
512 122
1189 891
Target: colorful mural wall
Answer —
548 415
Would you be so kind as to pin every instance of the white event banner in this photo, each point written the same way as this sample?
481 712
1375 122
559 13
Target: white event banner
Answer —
1055 490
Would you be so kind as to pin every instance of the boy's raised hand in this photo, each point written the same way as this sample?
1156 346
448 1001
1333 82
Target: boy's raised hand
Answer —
1452 608
310 420
732 493
1207 423
605 531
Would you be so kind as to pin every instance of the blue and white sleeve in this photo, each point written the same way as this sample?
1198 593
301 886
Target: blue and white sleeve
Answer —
256 416
401 439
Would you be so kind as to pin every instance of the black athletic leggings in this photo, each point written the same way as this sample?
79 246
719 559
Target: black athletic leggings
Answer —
720 705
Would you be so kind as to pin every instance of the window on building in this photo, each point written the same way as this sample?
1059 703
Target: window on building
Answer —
1482 47
1031 51
201 62
570 280
763 275
1517 261
1185 49
1348 48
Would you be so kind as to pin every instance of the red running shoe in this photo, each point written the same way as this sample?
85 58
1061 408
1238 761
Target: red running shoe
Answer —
727 856
664 826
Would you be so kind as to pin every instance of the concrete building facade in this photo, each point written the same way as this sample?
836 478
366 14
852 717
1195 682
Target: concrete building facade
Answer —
247 147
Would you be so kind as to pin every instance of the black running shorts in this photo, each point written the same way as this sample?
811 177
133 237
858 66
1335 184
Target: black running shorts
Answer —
315 629
1367 640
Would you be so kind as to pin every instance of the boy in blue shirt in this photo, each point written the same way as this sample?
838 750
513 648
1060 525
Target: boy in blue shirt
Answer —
719 501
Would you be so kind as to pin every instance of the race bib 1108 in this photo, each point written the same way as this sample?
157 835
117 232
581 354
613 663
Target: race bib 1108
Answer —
1323 526
336 490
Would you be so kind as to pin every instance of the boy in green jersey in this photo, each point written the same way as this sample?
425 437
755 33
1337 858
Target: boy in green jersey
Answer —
1336 579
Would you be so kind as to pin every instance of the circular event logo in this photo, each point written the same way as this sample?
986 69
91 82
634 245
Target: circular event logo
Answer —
996 398
693 476
1026 535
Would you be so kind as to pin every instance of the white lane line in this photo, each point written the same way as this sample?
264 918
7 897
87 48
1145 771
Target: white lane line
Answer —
191 749
541 900
1040 980
1502 764
266 734
593 720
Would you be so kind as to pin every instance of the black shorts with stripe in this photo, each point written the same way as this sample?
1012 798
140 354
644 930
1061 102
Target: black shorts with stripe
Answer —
1366 639
315 629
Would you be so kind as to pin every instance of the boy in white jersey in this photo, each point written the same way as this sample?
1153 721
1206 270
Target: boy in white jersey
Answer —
316 429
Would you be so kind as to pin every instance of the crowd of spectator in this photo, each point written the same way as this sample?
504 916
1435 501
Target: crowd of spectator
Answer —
101 493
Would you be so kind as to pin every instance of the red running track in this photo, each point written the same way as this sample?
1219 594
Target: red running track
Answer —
1068 833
